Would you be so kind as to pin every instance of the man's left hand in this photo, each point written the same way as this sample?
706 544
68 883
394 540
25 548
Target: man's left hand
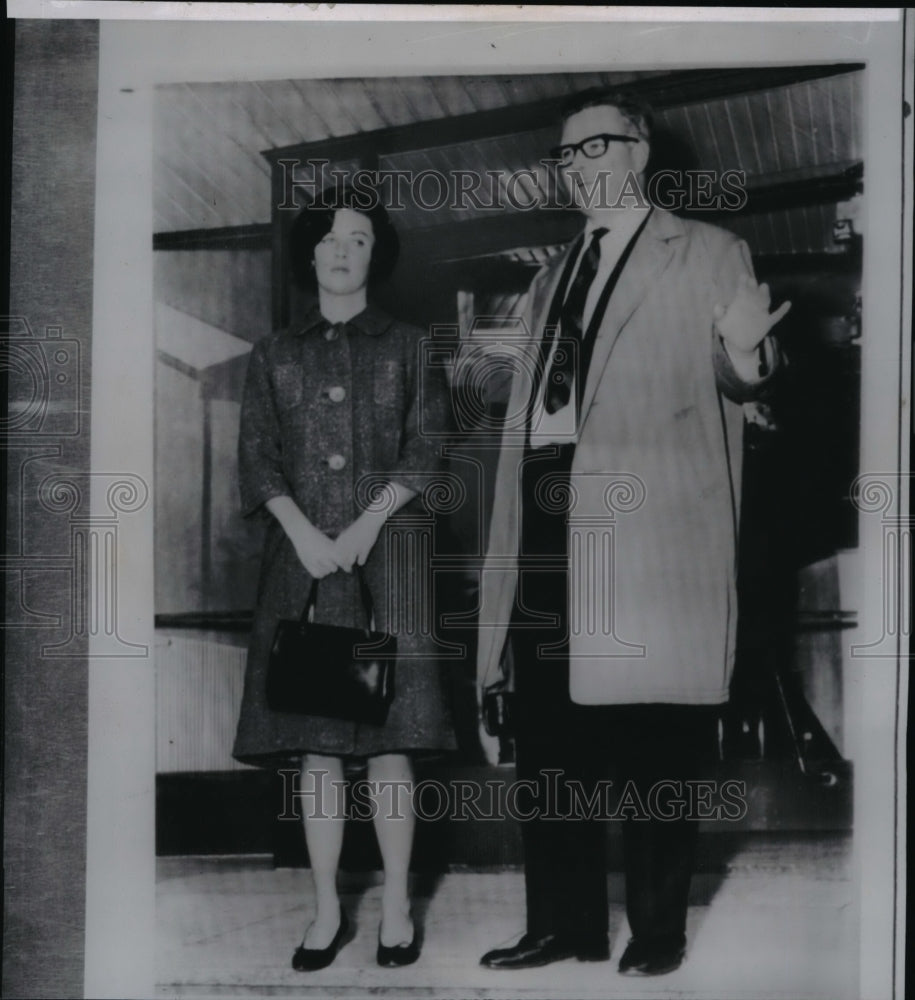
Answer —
747 321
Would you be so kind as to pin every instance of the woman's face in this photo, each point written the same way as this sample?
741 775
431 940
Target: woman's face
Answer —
343 256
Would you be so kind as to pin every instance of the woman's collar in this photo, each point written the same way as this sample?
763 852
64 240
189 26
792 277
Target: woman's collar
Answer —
372 320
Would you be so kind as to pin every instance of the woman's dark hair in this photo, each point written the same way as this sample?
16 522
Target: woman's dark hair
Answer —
316 220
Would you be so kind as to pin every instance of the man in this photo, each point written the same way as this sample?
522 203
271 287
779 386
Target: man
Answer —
612 547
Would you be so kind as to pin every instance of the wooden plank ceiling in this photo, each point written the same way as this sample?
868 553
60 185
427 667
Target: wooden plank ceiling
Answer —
210 171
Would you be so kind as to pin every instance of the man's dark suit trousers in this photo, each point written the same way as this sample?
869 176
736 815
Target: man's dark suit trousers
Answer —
565 856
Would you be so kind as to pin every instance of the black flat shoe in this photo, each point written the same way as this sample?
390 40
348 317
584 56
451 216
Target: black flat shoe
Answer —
532 952
312 959
652 958
400 954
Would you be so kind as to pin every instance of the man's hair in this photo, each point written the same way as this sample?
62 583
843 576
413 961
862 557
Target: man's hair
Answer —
636 111
316 220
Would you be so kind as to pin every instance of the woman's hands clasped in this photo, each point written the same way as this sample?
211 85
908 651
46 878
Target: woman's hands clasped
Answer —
322 555
355 543
316 552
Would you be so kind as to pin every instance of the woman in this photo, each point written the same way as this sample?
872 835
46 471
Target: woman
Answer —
328 402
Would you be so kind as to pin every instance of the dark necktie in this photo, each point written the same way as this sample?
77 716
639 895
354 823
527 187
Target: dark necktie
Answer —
561 374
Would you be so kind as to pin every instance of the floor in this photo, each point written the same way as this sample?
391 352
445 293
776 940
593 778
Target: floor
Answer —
776 919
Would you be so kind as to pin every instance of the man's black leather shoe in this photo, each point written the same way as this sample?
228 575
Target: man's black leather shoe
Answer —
531 952
652 958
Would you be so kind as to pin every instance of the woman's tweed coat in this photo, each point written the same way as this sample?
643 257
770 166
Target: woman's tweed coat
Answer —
323 408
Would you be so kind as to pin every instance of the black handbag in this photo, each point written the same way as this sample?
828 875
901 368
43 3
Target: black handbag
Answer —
332 670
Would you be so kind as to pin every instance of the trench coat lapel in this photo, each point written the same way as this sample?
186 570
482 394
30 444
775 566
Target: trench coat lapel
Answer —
650 256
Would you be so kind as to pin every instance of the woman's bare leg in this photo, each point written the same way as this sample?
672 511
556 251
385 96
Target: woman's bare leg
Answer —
391 776
321 784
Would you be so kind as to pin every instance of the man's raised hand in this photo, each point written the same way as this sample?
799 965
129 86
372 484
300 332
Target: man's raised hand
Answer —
746 322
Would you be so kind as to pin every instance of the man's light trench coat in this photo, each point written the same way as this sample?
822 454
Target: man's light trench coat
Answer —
655 481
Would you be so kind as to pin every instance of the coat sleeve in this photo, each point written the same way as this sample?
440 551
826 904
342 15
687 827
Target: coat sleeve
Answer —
735 262
426 422
260 460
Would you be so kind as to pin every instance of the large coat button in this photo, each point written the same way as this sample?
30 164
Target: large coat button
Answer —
336 462
337 393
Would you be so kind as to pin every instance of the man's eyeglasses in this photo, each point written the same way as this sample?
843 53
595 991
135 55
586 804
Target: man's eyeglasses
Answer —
593 146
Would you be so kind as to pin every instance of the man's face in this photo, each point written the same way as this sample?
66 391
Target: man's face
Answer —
595 184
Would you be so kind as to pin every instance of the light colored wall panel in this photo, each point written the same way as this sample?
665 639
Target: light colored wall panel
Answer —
198 694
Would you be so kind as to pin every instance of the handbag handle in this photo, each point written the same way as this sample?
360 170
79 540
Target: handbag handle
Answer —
367 604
